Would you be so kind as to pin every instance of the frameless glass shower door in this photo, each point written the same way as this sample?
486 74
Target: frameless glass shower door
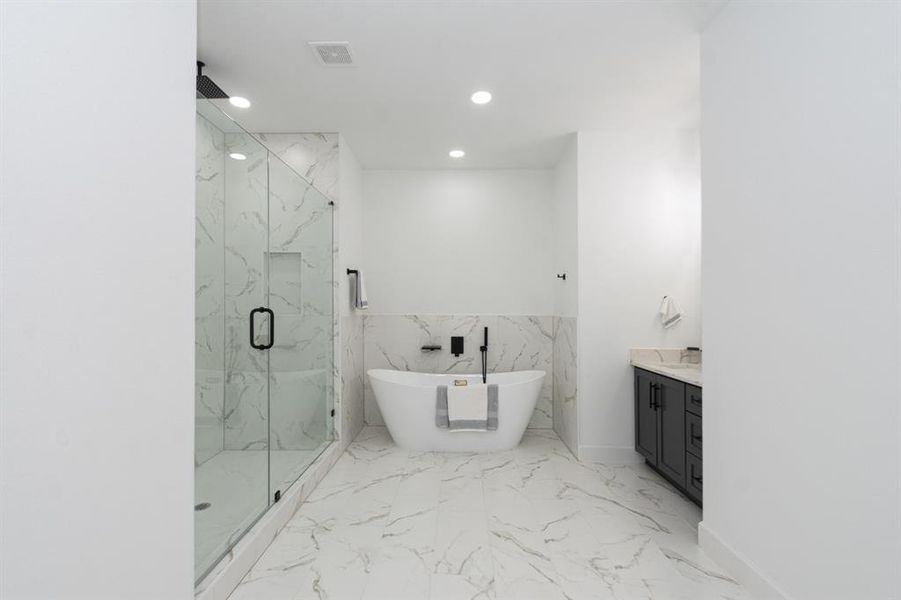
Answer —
301 295
264 331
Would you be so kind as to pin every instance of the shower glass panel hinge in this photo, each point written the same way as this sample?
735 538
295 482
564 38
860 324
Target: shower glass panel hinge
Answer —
333 412
278 495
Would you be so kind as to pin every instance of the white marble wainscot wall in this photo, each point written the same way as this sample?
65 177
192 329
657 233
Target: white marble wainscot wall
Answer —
209 317
565 382
515 343
351 377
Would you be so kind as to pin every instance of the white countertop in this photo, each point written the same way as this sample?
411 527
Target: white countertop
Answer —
676 363
689 373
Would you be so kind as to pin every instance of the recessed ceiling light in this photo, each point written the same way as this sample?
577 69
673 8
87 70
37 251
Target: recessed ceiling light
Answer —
456 154
481 97
239 102
237 156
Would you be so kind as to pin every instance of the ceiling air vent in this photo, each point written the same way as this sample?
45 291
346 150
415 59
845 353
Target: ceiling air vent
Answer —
333 54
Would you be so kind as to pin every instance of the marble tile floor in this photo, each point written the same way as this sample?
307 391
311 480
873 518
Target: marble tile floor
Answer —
236 484
531 523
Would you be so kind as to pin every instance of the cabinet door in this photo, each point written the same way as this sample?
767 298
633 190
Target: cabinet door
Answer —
645 416
671 428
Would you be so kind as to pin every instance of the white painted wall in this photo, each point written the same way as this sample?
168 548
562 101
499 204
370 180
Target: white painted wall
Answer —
96 331
639 239
566 247
459 241
350 223
802 147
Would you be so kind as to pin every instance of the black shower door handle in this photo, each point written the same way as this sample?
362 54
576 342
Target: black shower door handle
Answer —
253 343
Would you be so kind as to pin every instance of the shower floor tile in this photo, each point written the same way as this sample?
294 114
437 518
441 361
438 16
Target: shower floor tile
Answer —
531 523
235 483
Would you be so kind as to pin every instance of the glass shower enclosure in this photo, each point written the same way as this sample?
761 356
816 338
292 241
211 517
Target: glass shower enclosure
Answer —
263 331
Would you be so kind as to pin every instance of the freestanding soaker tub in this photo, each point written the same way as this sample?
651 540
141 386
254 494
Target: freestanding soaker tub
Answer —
407 402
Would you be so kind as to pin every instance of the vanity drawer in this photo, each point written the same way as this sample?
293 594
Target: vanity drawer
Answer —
693 441
693 399
694 481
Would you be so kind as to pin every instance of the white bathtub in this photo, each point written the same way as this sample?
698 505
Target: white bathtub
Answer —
407 401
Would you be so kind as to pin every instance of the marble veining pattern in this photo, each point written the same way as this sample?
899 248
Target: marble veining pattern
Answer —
351 376
316 157
278 252
678 363
565 382
228 572
313 155
515 343
209 315
527 524
235 422
236 486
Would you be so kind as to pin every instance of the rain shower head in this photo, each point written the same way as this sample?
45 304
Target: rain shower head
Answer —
206 87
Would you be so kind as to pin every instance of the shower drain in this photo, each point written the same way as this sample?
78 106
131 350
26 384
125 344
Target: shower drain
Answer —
202 506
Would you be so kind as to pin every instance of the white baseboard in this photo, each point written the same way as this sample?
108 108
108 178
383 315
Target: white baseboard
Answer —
610 455
743 570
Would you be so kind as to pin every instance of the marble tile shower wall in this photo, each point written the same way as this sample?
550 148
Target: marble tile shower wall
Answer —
316 157
209 338
515 343
300 365
313 155
246 231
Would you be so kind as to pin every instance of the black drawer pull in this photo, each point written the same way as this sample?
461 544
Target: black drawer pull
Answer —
696 478
691 433
653 402
695 399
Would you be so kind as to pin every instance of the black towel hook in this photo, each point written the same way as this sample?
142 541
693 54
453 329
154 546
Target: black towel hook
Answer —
563 277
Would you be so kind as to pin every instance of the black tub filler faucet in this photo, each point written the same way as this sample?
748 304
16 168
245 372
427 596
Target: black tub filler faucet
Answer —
484 349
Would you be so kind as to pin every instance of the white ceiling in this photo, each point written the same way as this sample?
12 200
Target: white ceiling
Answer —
553 68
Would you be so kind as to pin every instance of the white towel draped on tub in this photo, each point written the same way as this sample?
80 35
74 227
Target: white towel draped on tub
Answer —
474 411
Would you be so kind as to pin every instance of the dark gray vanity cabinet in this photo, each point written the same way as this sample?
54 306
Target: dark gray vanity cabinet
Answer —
645 415
668 429
671 428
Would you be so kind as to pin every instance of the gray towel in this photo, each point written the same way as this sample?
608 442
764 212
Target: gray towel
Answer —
442 420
